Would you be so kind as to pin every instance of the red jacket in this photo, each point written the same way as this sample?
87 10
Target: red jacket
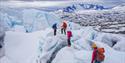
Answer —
94 54
69 34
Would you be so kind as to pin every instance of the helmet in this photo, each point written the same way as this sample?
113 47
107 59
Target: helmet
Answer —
64 21
94 45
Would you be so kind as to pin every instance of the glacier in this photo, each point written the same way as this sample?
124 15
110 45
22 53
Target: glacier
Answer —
26 36
43 47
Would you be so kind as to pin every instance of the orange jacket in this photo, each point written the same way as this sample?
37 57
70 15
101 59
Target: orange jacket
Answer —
64 25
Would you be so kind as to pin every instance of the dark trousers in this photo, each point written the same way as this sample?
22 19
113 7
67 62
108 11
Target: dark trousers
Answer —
63 30
96 61
0 46
69 42
55 31
1 41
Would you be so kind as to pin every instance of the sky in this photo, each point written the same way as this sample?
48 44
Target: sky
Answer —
33 0
63 0
32 4
48 3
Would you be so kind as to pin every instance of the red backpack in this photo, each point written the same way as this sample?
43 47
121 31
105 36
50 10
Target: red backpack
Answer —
69 34
100 54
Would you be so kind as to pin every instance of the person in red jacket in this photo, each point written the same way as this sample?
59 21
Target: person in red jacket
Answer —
69 35
94 54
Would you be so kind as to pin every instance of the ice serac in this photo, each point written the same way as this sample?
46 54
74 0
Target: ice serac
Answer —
29 19
36 20
7 21
113 40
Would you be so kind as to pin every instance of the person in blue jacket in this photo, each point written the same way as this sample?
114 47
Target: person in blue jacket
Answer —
54 28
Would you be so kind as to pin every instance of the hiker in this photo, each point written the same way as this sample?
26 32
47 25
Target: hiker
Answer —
69 35
98 54
2 35
54 28
63 27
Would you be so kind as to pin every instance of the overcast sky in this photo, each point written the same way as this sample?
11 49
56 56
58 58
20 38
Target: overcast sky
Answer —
63 0
33 0
46 3
32 4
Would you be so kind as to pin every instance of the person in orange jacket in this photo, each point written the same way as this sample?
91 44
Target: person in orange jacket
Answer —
98 54
63 27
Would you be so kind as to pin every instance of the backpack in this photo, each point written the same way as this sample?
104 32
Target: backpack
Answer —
69 34
64 25
54 26
100 54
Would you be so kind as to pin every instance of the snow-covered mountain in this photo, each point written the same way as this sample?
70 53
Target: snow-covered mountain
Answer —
64 5
82 6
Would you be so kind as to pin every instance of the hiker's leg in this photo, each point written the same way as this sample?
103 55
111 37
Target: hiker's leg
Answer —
62 31
69 44
1 42
65 31
0 45
54 31
98 61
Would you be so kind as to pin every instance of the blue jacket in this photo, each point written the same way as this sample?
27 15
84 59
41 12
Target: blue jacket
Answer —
54 26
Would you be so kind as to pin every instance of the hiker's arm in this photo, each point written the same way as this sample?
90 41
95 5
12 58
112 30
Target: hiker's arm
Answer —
71 34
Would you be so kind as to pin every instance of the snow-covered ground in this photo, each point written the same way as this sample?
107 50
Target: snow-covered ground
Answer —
42 46
71 55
